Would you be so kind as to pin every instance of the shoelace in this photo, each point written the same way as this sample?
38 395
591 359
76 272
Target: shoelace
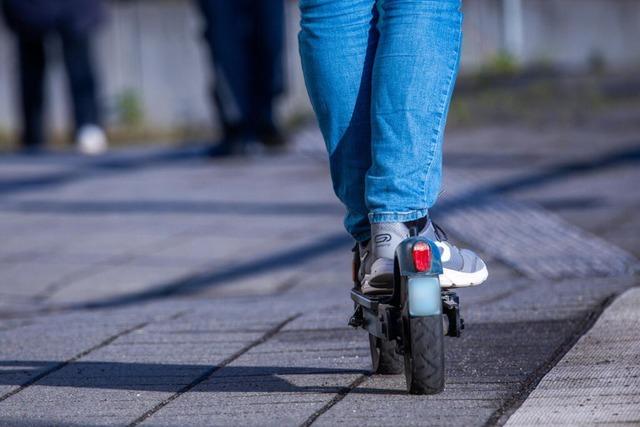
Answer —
440 233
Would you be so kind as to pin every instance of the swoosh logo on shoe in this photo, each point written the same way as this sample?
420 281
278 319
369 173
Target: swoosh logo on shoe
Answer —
445 252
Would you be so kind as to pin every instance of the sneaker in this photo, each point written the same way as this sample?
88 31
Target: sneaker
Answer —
376 258
91 140
461 267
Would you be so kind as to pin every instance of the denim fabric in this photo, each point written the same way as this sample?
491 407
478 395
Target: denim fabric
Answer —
380 75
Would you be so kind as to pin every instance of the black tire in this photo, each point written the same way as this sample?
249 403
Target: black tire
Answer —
424 357
384 359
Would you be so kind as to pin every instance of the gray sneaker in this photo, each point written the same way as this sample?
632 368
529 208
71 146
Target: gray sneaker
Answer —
376 258
461 267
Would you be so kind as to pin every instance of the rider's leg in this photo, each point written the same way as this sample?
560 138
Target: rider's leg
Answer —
402 113
337 45
413 77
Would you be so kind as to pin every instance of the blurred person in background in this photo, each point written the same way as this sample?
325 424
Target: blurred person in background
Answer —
245 39
33 22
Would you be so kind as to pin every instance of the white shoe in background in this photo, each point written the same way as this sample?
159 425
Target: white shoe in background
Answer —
91 140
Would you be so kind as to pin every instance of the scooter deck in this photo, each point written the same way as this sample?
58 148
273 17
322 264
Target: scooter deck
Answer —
366 302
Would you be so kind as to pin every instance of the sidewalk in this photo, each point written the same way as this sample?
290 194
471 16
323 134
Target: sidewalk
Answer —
598 380
156 287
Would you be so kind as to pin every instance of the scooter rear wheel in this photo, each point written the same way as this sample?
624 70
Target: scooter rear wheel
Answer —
424 354
384 359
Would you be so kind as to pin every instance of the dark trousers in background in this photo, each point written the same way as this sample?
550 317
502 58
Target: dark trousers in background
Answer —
246 40
32 66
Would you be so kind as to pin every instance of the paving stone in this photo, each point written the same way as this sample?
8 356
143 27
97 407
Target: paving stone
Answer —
280 382
33 348
114 282
41 277
134 373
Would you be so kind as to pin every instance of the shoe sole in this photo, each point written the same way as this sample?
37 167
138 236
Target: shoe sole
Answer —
458 279
379 285
383 283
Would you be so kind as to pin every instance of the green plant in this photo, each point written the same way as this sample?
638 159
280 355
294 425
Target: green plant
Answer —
129 109
500 64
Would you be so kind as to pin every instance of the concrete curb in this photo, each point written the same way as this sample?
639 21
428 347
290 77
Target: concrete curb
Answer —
598 380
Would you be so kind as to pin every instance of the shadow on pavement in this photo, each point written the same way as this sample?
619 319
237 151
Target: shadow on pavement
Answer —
169 377
518 350
123 162
478 195
615 158
81 168
157 207
195 283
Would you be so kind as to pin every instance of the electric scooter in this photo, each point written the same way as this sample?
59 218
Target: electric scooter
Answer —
411 322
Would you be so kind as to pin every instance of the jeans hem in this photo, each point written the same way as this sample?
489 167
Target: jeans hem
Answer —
361 237
377 217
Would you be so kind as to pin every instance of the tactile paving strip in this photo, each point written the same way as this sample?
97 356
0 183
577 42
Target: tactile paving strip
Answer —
535 242
598 381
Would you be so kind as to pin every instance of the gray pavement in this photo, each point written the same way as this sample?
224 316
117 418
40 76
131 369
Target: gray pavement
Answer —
155 287
598 380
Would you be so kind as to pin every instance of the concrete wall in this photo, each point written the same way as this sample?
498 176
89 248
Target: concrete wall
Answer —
565 33
152 49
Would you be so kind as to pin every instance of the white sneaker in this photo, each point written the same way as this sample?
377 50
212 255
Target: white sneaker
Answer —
91 140
461 267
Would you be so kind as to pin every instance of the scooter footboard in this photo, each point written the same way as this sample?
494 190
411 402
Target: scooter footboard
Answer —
379 319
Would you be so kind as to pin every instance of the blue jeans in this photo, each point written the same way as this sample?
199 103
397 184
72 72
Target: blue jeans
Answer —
380 75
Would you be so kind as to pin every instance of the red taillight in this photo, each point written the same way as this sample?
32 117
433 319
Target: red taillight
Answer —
422 256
